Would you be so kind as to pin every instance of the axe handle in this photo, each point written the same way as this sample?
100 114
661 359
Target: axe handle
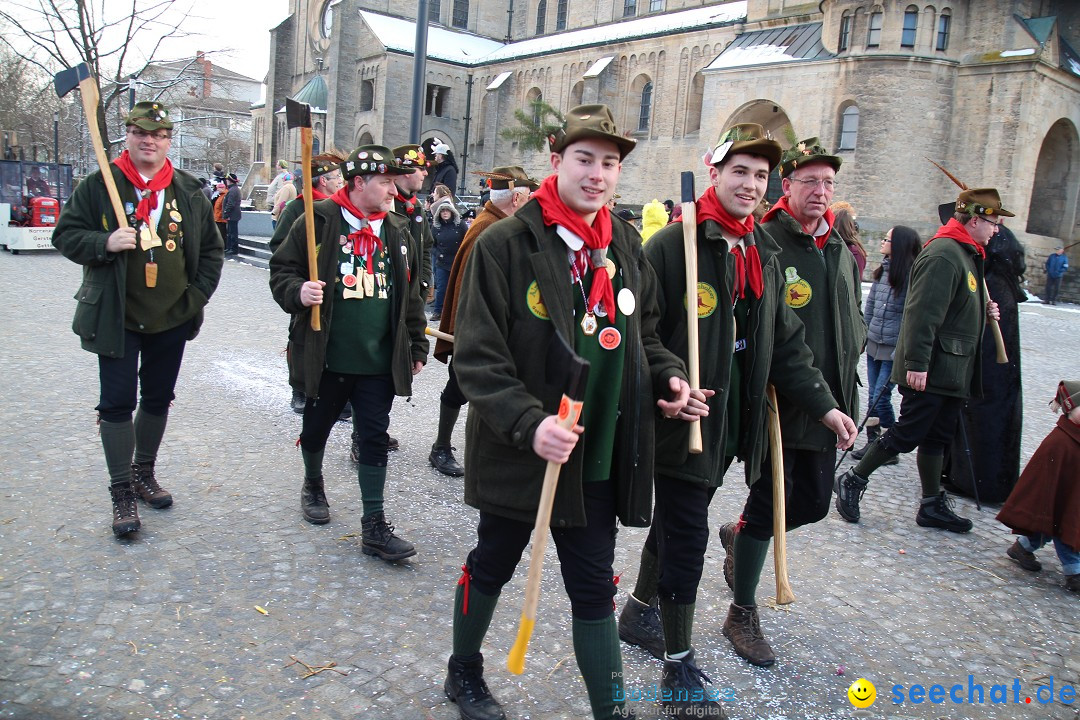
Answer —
999 341
515 663
784 595
309 221
693 358
90 98
439 334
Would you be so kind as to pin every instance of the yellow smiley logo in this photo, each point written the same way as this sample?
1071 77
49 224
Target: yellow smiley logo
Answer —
862 693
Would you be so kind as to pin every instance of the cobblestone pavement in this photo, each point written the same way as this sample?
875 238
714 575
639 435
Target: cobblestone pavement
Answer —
165 625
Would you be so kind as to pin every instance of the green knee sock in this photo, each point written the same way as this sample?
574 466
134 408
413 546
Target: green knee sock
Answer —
448 415
149 429
647 577
678 626
876 456
469 630
929 473
312 463
749 559
596 647
372 481
118 441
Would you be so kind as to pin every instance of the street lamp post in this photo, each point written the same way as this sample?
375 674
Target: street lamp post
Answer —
56 136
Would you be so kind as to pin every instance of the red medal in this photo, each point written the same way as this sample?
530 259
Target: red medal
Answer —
349 280
610 338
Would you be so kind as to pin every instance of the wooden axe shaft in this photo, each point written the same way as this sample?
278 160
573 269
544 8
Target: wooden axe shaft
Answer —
995 328
309 220
89 93
693 358
784 595
439 334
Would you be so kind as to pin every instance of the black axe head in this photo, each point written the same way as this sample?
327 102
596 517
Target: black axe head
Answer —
566 371
297 114
688 186
67 80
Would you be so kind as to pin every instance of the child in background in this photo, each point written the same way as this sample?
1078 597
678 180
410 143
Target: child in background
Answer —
1045 504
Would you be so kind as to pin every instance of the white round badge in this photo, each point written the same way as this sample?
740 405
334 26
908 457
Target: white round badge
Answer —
626 301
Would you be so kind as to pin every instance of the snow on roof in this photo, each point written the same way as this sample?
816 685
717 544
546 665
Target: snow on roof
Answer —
775 45
499 80
598 67
442 43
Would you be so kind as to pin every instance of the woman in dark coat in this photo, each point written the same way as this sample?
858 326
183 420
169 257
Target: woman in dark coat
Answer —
449 230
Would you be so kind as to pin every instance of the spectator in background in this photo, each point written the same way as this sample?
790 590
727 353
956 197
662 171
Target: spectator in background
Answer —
1056 265
653 217
669 206
36 185
230 210
281 199
848 228
218 199
446 168
448 230
282 178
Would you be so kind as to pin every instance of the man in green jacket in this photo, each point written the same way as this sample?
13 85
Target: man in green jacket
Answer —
372 338
748 337
938 361
822 287
559 265
142 297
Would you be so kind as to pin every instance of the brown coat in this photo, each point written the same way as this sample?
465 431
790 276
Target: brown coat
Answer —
487 217
1046 499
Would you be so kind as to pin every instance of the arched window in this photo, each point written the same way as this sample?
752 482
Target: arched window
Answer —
694 102
943 25
576 93
645 109
365 139
873 30
533 99
461 14
367 95
911 27
560 16
845 32
541 16
849 127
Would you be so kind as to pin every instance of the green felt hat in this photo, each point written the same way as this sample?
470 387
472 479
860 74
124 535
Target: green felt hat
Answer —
807 152
590 121
372 160
149 116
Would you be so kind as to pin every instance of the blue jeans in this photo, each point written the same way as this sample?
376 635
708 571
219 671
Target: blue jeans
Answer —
1070 559
877 377
442 279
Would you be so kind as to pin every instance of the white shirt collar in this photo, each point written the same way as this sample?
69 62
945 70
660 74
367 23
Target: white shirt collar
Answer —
572 241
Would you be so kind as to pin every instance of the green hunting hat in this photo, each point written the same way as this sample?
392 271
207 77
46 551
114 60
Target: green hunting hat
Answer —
981 201
590 121
372 160
149 115
805 153
749 138
411 156
509 177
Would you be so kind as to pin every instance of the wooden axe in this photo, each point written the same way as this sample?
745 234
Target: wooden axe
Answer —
784 595
79 77
693 360
999 341
298 115
569 372
439 334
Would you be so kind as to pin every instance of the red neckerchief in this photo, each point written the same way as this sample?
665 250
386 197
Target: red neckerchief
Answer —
161 180
316 194
409 203
953 229
596 237
364 241
709 208
819 240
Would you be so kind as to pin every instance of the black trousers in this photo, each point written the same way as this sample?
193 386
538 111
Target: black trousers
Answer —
153 380
808 482
372 397
927 421
451 394
679 536
586 553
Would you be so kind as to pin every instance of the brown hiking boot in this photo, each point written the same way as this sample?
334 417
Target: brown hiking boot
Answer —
1072 583
743 628
727 539
1023 558
640 624
125 514
146 486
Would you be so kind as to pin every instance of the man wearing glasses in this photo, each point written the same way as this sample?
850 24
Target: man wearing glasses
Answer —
938 359
822 287
142 297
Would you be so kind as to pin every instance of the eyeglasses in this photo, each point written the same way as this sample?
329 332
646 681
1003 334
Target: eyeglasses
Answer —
157 135
811 184
990 222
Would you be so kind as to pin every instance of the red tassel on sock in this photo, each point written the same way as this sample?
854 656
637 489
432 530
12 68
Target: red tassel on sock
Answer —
464 580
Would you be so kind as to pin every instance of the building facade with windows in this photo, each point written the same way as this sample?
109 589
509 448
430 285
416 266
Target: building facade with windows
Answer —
988 88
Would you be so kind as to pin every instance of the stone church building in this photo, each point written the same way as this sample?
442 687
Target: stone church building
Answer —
988 88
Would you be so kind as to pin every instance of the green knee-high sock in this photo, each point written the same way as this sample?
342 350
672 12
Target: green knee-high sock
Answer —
678 626
118 441
469 630
448 415
596 647
876 456
929 472
312 463
749 559
372 481
149 429
648 576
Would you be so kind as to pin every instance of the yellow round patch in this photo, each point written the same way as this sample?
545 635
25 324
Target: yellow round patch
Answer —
535 302
706 300
798 293
973 284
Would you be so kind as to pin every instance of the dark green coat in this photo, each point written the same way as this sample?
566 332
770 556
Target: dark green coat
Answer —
776 352
499 357
835 330
420 231
292 210
289 270
83 229
942 329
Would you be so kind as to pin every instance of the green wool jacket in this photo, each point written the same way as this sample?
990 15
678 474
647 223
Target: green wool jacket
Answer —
515 295
292 210
420 231
835 330
83 229
776 352
942 329
289 270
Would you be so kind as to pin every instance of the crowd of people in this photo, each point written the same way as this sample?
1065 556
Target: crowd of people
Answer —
584 354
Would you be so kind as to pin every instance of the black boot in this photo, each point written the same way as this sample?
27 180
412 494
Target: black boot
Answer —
443 460
935 512
873 429
379 539
299 400
689 698
465 686
146 486
849 489
639 624
313 502
125 513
